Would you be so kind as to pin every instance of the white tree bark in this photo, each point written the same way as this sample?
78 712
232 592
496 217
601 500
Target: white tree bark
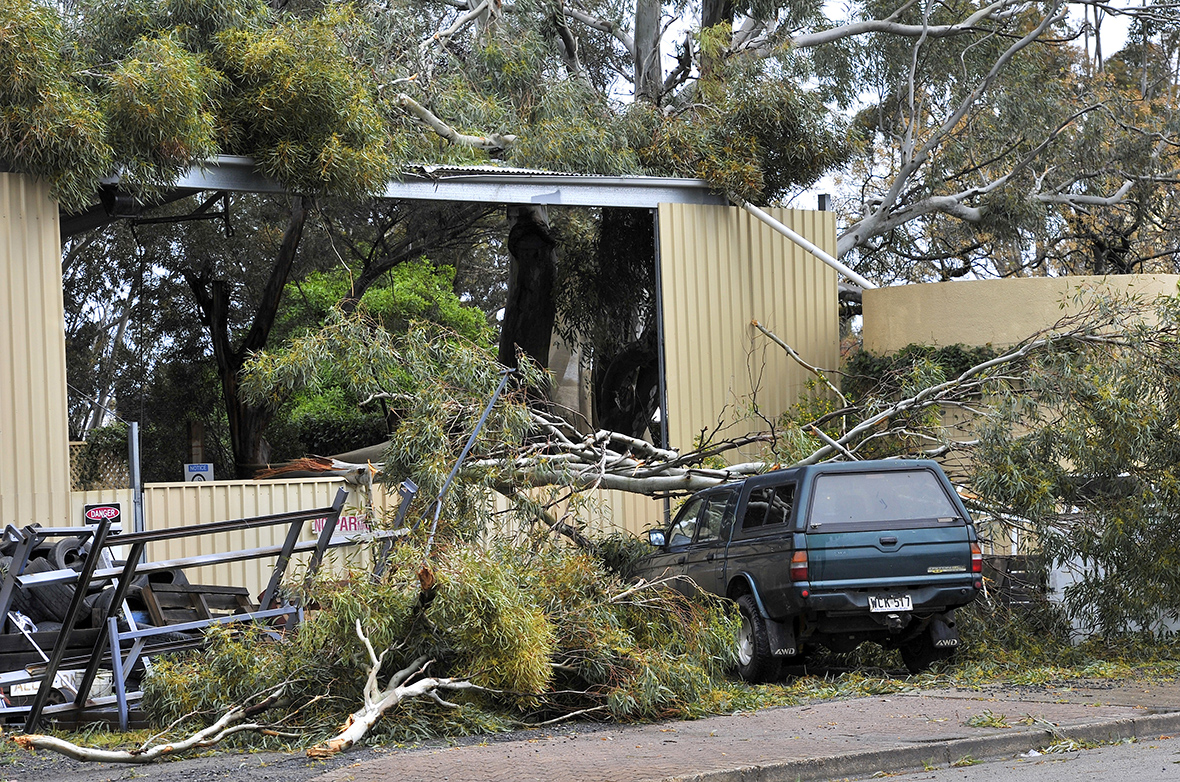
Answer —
230 723
492 142
378 701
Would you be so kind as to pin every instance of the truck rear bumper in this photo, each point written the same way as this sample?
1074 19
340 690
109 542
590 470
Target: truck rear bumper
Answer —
926 600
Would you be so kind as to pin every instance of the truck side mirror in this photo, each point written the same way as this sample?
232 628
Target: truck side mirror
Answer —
656 537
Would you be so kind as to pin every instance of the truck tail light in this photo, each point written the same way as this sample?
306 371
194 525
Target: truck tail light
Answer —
799 566
976 558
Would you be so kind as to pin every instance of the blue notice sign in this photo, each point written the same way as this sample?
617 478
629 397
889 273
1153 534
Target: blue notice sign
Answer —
198 472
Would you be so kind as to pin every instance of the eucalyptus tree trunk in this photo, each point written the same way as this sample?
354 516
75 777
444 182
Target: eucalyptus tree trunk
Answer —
529 313
648 73
247 422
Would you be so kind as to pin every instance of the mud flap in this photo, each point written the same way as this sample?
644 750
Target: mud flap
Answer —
943 635
782 638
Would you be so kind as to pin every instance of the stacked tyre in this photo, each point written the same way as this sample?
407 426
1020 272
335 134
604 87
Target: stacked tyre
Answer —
47 604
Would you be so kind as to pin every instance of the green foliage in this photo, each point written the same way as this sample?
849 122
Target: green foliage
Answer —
1076 445
1092 465
50 126
160 102
237 664
619 551
540 624
416 290
328 418
486 611
868 374
757 137
1018 636
435 382
312 94
302 107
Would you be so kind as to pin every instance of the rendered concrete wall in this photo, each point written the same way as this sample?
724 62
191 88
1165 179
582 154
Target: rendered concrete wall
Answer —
34 434
981 312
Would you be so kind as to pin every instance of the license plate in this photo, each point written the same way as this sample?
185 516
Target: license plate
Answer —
890 603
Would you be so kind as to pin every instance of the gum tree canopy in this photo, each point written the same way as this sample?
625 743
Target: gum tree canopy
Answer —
332 97
980 136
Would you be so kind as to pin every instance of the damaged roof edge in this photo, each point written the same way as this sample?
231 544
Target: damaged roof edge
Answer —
486 184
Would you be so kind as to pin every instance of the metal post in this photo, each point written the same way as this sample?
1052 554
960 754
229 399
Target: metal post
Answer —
438 502
276 577
20 558
112 629
326 533
661 355
136 476
118 603
406 491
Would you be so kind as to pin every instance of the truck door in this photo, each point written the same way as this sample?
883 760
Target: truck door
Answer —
763 543
670 561
705 558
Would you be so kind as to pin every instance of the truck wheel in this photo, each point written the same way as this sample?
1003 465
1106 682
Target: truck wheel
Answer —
755 663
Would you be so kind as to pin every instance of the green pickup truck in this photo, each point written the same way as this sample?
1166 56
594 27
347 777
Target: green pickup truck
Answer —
832 554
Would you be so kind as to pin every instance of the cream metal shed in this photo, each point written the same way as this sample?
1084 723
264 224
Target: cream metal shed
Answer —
719 267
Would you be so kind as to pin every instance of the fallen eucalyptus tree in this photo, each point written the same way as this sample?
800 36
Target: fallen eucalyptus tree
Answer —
552 452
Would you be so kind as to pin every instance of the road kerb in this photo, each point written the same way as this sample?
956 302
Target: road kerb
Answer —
941 753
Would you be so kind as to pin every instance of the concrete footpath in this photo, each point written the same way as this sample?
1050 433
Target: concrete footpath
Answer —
833 740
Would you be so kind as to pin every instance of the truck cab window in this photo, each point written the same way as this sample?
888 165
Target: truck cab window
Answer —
768 506
685 525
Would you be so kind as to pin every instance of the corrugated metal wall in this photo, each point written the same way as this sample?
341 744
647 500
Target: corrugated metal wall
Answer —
720 269
184 504
34 438
168 505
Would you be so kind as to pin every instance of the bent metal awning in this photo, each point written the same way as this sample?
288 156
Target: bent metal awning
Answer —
477 184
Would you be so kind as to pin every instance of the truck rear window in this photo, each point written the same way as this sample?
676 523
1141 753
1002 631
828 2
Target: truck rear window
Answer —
879 496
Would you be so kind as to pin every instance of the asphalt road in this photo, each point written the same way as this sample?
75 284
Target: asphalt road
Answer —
1142 761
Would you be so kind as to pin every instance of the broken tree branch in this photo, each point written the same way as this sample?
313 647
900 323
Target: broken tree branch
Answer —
230 723
799 360
378 701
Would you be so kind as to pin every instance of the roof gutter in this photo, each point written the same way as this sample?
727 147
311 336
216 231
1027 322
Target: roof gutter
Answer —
804 243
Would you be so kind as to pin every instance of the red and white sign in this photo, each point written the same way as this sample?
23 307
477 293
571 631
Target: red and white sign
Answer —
358 523
93 514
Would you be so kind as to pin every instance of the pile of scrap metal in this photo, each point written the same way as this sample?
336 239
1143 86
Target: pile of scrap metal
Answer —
38 610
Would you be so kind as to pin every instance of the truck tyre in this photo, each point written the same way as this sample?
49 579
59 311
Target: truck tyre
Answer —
102 604
67 553
50 601
755 663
